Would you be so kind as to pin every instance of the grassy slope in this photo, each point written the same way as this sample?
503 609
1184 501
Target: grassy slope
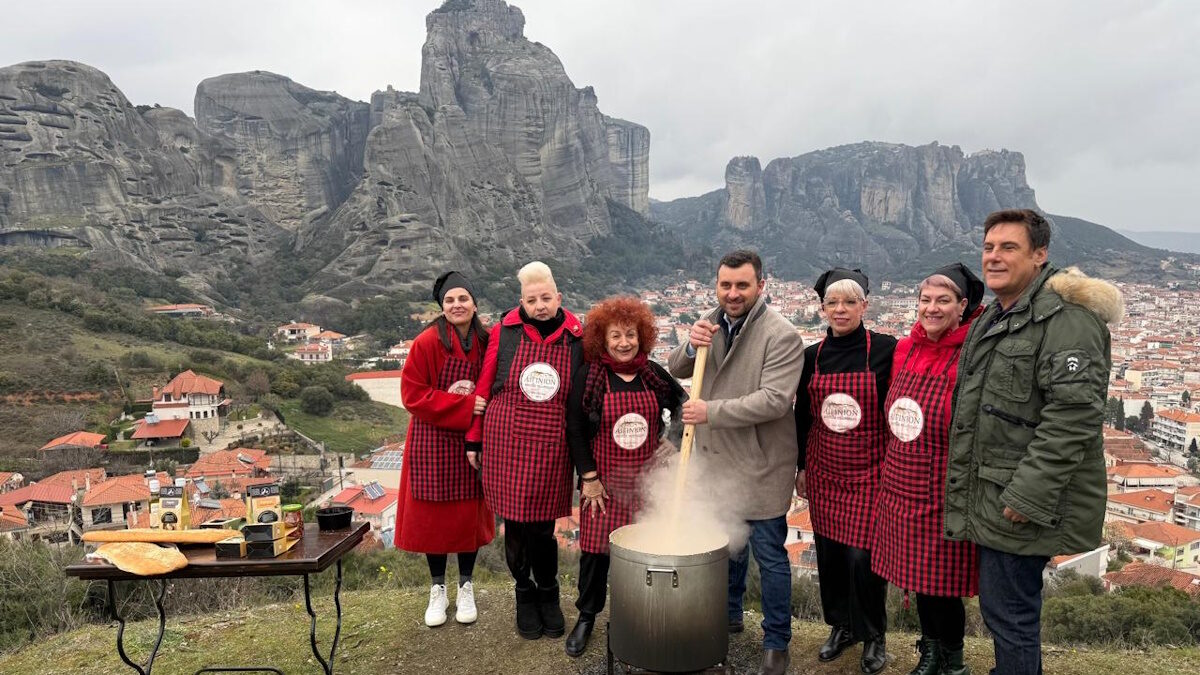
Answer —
383 633
353 426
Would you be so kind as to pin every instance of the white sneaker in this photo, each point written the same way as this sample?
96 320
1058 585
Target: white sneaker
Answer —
465 602
435 613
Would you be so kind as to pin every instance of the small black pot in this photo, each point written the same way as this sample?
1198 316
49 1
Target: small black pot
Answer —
334 517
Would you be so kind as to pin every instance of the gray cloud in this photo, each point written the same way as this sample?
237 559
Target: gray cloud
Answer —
1102 96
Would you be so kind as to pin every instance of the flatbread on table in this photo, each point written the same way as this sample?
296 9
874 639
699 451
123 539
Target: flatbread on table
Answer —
141 558
149 535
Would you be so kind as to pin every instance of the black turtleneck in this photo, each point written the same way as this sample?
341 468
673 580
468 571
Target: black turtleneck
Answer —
844 354
544 328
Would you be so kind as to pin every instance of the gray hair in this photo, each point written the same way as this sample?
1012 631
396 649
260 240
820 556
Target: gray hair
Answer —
846 287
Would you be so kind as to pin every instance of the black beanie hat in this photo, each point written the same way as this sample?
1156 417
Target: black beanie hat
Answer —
968 284
828 278
448 282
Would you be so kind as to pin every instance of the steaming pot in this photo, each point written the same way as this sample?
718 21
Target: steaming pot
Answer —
668 612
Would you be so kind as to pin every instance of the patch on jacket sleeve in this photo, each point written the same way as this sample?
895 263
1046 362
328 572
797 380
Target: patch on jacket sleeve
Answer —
1071 378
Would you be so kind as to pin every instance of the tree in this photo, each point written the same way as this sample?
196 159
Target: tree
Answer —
1187 398
1121 415
1146 416
316 400
1193 450
1113 411
258 384
1133 423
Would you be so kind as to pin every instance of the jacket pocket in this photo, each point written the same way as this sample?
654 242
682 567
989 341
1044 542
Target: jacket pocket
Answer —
992 482
1011 373
1009 417
538 424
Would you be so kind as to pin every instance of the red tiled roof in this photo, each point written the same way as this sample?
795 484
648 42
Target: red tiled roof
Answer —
1151 500
188 382
801 519
118 490
1165 533
12 518
1140 470
6 476
38 492
328 335
162 429
356 498
373 375
225 463
79 477
82 438
795 550
230 508
296 326
1181 416
1153 576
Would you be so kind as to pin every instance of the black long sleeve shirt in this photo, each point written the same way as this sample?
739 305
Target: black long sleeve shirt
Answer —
844 354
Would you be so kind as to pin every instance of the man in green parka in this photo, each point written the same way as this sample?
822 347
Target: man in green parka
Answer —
1026 478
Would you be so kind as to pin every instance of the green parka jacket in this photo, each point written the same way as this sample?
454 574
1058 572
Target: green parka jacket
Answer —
1026 427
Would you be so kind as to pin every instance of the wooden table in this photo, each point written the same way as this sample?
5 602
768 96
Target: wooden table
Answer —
314 553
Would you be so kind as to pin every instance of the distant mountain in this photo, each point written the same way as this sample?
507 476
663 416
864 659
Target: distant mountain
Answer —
895 210
1187 242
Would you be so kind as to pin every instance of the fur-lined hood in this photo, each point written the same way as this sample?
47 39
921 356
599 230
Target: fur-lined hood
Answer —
1100 297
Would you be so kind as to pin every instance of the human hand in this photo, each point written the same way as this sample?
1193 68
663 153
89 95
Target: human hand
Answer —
473 459
592 496
801 486
695 412
480 405
1014 516
701 333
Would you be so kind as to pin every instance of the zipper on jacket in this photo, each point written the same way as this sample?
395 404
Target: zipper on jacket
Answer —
1008 417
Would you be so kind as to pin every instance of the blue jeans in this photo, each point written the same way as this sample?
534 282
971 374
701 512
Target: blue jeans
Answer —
775 576
1010 599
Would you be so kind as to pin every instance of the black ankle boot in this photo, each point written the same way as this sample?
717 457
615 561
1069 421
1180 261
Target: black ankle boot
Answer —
874 656
529 619
930 662
553 623
952 662
839 639
578 639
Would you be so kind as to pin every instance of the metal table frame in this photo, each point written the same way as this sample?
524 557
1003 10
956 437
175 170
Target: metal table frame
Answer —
303 567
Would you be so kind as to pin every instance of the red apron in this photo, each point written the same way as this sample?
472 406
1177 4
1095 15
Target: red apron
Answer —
845 448
909 550
626 440
436 457
526 463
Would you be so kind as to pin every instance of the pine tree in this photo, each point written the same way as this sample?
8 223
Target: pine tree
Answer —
1146 415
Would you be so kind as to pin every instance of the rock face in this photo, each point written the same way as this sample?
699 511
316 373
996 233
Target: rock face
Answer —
81 166
299 151
498 159
891 209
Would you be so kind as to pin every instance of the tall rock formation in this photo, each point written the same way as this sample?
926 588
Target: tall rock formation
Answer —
497 159
891 208
81 166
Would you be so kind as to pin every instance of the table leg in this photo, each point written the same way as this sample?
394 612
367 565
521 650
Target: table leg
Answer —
162 624
337 631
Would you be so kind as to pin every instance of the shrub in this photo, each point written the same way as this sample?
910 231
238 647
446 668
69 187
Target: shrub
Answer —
316 400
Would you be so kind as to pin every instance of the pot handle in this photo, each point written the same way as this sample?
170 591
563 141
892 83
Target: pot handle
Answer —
650 571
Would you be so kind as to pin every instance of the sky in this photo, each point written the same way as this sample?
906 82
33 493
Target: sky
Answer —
1101 96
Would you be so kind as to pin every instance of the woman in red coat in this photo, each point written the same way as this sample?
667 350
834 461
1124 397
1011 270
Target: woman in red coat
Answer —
441 508
909 549
522 441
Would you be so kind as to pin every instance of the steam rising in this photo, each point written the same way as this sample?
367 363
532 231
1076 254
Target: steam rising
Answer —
709 509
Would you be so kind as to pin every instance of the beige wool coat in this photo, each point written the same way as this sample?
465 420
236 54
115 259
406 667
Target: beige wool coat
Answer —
750 438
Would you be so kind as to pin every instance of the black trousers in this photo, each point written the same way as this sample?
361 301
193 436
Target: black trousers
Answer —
593 582
530 548
942 618
852 596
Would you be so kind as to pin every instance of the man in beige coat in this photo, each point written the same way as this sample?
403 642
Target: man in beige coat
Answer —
745 429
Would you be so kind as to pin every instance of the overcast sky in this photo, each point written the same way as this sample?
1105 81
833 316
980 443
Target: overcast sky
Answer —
1102 97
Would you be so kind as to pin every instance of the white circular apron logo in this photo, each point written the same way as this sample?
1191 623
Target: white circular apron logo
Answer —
906 419
462 387
840 412
539 381
630 431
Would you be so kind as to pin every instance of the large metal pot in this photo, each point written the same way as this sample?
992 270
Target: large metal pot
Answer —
668 612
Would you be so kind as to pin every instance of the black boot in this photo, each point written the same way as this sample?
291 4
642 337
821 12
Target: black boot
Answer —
839 639
874 656
577 641
930 662
952 662
529 620
553 623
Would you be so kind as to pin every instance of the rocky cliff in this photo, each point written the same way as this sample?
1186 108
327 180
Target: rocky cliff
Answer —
81 166
891 209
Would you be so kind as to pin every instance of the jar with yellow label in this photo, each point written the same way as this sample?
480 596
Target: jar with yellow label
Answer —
293 518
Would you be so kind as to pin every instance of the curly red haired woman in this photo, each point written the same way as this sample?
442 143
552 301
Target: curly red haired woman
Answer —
614 421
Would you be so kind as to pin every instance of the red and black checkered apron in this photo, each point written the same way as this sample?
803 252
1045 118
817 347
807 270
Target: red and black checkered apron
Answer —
619 468
909 550
436 458
526 464
842 467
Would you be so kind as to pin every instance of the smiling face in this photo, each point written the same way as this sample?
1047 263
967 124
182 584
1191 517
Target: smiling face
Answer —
458 307
938 311
1010 263
540 300
621 342
737 289
844 312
